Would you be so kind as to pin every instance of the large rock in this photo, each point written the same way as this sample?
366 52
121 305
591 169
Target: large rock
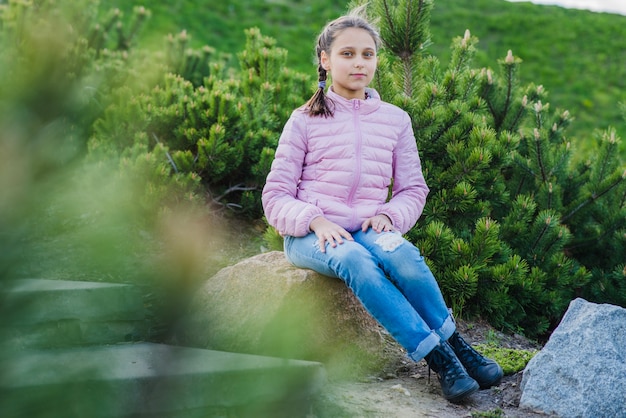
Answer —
581 371
264 305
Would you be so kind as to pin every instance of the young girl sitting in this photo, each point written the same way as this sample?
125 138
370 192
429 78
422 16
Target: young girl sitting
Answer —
328 194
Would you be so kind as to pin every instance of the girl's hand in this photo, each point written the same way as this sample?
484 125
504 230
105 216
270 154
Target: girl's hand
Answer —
326 230
379 223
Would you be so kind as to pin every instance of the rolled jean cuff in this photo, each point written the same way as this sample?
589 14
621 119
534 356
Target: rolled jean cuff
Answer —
447 329
425 347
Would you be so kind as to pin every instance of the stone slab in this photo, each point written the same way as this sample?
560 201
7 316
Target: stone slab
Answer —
40 300
145 379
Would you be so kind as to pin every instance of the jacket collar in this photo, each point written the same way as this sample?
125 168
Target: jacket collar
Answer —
365 106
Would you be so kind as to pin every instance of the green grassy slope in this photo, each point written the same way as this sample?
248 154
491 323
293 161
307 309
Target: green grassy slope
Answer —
579 56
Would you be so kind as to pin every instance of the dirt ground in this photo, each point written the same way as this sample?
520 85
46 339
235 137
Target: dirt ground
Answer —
409 392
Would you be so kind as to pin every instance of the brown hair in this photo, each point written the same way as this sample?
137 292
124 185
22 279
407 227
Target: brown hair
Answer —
319 105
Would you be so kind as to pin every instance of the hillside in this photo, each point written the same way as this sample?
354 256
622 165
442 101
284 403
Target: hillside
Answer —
577 55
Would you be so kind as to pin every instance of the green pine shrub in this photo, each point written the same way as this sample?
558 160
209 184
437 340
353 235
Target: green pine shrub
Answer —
218 123
511 224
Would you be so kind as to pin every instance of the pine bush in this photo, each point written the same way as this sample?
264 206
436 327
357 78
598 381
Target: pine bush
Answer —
218 123
512 229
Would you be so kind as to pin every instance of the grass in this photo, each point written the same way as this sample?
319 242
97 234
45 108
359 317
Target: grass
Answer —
511 360
576 55
293 23
495 413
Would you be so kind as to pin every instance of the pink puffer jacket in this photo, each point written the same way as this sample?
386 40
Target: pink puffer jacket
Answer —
340 168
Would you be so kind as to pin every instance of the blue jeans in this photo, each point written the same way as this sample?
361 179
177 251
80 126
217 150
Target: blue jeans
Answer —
391 279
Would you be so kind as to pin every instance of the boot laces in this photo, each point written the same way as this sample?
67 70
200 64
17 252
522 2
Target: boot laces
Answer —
469 357
442 364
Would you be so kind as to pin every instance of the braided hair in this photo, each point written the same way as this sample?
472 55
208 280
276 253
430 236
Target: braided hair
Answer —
319 104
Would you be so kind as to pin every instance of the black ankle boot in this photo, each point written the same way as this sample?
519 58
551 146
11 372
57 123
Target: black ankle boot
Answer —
456 384
485 371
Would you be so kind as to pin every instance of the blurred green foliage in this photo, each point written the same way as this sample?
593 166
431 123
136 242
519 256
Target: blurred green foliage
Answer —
68 211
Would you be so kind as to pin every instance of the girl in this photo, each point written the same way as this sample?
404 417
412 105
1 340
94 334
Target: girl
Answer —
328 194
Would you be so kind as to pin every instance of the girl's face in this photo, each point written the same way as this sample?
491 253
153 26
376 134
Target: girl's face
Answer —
351 62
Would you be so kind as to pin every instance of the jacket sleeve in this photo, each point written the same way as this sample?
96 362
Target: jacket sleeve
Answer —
283 210
409 187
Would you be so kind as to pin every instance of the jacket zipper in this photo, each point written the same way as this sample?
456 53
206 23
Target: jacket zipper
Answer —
359 142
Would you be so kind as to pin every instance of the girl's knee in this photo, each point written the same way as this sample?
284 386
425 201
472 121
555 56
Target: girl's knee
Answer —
351 256
389 242
346 251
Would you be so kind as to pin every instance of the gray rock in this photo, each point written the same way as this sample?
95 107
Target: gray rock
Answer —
581 371
264 305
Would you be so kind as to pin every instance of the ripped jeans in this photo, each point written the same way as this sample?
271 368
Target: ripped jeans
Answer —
391 279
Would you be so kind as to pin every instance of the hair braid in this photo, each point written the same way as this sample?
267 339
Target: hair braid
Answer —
318 104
